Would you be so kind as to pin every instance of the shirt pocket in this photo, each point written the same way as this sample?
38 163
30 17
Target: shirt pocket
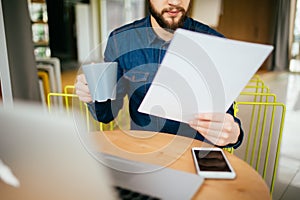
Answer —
136 76
138 83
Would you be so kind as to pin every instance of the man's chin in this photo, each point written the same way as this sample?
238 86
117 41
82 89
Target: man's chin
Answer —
172 22
170 19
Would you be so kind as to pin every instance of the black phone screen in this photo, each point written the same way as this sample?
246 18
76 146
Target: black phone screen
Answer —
211 161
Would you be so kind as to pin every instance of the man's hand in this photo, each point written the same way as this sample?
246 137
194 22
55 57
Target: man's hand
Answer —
82 89
218 128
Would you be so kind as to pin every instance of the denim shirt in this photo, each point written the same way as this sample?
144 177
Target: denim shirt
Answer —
139 52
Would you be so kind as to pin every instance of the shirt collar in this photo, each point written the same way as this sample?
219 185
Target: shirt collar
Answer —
151 35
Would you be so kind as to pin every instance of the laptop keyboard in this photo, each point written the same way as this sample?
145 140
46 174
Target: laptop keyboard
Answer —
126 194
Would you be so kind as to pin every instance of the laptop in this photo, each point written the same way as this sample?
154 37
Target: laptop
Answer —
47 157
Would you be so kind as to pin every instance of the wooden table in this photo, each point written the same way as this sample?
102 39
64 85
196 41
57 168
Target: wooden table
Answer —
175 152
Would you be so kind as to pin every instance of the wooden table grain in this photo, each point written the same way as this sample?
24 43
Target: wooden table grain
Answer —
174 151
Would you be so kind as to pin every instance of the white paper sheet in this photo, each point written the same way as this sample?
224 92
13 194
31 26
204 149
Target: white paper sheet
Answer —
201 73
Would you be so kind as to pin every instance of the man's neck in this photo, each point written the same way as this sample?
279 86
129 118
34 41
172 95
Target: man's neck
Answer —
161 32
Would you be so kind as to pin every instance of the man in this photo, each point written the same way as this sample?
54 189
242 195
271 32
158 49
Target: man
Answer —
139 48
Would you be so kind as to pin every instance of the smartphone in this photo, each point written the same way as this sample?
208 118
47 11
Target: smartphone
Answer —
212 163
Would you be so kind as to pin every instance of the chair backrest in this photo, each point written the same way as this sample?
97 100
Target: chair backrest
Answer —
262 120
72 104
262 137
257 85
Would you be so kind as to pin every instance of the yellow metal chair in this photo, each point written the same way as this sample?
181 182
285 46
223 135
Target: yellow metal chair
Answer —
257 85
122 120
70 89
253 97
263 133
262 119
72 103
257 88
69 102
256 80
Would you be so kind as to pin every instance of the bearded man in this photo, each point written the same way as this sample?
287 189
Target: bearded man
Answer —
139 48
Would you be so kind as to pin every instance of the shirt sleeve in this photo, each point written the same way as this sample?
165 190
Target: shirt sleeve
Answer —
108 110
241 136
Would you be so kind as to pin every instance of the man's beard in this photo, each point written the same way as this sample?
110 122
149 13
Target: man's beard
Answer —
169 26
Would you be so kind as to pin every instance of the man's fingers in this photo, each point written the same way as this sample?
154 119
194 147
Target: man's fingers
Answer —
208 124
81 78
82 89
86 99
216 137
216 117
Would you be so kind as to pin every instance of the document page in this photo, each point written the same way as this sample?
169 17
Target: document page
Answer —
201 73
